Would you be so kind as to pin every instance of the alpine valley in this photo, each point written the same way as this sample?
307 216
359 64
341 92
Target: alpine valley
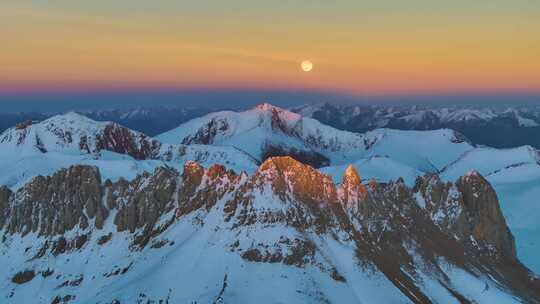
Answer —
266 206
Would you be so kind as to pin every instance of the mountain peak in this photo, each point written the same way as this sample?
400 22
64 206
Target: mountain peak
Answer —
351 176
73 114
352 190
287 175
72 118
473 174
281 164
267 107
77 133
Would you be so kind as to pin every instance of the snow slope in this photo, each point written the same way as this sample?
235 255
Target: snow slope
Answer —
518 189
65 140
488 161
18 171
427 151
253 130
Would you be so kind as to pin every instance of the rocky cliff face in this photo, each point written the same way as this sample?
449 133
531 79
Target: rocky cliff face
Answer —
122 140
57 204
470 210
5 193
287 224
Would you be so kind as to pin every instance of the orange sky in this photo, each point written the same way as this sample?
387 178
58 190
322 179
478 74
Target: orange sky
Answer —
384 48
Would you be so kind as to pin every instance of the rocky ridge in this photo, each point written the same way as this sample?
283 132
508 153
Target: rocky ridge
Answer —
285 213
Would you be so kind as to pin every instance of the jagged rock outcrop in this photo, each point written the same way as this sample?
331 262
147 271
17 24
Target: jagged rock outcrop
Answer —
311 158
149 197
56 204
122 140
307 198
352 190
290 177
485 221
5 193
286 213
469 209
203 188
206 134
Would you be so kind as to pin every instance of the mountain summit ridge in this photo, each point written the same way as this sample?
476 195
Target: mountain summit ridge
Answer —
233 225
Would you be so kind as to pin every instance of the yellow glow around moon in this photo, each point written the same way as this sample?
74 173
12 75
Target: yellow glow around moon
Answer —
306 65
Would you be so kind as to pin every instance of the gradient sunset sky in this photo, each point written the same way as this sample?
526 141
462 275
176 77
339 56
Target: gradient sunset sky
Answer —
357 47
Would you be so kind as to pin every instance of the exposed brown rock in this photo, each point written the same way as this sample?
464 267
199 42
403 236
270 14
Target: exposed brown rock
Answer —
119 139
5 194
389 225
64 299
308 157
104 239
23 277
53 205
469 209
201 189
150 198
206 134
485 221
352 191
289 176
307 190
23 125
294 252
47 273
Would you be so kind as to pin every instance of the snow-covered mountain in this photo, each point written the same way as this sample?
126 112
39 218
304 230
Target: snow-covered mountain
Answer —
266 131
75 134
492 126
44 147
213 236
149 120
382 155
422 162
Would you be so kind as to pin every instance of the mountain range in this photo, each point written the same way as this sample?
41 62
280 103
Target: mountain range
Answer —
231 206
148 120
495 126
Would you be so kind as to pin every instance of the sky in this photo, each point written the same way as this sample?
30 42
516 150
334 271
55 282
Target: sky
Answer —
360 48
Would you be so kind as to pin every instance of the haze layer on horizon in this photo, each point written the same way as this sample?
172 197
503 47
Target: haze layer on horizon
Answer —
55 102
383 47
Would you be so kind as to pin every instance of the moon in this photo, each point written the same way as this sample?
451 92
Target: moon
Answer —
306 65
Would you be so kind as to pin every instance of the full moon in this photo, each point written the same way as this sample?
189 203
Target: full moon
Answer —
306 65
